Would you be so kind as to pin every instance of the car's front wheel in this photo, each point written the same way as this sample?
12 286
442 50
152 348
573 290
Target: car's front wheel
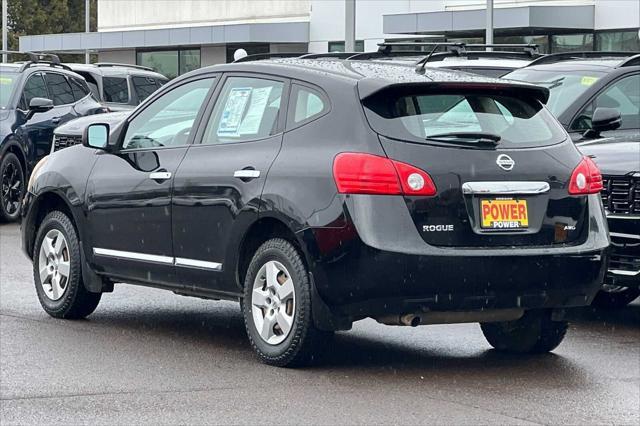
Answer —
57 270
277 306
534 332
12 186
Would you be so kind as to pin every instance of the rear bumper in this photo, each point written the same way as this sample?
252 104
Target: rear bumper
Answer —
377 269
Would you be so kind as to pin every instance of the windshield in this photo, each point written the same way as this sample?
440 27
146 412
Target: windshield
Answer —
7 82
564 86
479 119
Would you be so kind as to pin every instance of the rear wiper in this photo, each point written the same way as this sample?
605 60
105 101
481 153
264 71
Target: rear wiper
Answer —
473 138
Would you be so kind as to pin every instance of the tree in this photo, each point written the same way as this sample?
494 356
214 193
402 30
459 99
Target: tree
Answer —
32 17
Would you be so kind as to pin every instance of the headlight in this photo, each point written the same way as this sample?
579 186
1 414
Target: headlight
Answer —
36 171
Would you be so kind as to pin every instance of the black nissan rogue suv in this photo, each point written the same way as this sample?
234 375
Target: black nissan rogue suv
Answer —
322 192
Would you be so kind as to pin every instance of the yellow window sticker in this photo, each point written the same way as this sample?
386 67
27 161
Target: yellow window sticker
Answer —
588 81
6 80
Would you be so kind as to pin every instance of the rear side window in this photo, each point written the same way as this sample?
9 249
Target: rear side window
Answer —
79 87
307 103
33 88
115 90
144 87
463 118
246 109
59 88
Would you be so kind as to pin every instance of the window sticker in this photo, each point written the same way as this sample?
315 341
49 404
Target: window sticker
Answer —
588 81
233 111
253 118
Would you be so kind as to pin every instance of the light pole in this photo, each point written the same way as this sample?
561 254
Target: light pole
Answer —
489 33
349 25
87 26
4 30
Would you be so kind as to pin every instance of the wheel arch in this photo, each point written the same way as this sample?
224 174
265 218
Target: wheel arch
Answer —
12 146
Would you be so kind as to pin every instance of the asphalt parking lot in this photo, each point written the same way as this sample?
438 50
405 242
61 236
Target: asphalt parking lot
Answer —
148 356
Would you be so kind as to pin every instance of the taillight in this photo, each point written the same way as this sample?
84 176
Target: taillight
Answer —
586 178
359 173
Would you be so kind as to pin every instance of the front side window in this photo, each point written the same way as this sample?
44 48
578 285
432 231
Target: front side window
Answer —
34 88
79 87
169 119
623 95
59 88
144 87
464 118
115 90
246 109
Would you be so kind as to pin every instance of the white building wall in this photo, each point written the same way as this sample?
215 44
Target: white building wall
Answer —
616 14
127 56
327 19
116 15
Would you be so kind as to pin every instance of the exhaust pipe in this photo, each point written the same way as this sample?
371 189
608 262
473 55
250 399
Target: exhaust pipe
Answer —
414 320
411 320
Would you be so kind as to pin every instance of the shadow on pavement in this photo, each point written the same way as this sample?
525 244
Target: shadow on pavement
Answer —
627 316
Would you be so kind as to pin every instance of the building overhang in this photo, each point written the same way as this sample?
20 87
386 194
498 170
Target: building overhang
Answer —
522 19
273 32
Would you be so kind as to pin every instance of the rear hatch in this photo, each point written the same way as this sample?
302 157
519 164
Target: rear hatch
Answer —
500 162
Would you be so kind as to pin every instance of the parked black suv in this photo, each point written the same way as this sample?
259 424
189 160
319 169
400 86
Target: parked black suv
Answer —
35 97
322 192
120 86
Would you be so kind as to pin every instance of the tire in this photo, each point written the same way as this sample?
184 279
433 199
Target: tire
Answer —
12 186
615 299
265 307
535 332
61 296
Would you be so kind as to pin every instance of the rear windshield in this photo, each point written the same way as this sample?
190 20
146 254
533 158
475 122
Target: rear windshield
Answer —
463 118
115 90
564 86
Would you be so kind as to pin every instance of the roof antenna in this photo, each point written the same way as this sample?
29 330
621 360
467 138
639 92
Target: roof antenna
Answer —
421 64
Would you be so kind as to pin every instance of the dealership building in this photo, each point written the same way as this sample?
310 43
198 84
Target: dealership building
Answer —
176 36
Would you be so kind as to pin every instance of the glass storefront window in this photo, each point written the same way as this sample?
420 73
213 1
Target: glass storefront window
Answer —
541 40
572 43
251 49
338 46
626 41
170 63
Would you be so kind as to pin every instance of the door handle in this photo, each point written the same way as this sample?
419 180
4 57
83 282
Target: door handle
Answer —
160 175
56 120
246 174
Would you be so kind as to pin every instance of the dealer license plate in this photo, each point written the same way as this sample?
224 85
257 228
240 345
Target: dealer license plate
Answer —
504 214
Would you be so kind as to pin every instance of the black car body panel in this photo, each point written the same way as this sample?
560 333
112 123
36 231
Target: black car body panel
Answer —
191 231
619 161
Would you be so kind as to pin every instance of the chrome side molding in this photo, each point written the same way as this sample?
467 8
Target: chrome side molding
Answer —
505 188
154 258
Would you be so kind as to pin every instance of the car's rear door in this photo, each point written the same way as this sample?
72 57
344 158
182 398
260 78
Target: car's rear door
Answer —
219 183
129 192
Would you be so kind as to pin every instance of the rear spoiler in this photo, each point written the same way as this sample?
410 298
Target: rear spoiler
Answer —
368 87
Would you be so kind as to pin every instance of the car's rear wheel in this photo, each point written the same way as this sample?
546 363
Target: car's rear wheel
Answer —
277 306
12 186
615 296
534 332
57 270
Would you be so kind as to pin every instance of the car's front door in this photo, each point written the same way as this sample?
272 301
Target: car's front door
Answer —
219 183
129 192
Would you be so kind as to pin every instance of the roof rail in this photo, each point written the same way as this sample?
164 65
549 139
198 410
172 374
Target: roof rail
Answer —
632 61
558 57
337 55
260 56
114 64
530 49
39 58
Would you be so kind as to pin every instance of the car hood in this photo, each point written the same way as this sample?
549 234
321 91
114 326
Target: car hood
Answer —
77 126
614 156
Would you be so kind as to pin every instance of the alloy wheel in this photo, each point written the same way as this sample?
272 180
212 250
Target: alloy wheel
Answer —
273 302
11 188
54 264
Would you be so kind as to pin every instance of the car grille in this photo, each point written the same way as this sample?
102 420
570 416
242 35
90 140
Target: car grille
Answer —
621 194
63 141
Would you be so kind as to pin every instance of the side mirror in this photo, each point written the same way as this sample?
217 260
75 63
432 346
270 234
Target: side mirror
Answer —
96 136
603 119
39 105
